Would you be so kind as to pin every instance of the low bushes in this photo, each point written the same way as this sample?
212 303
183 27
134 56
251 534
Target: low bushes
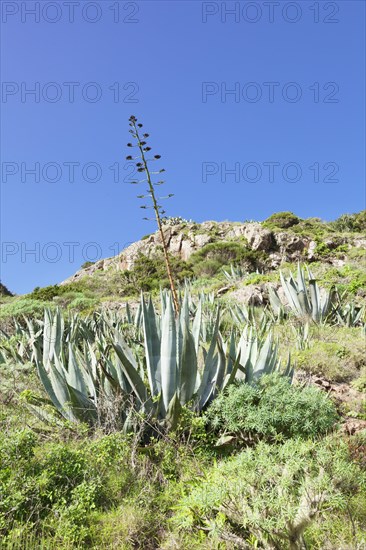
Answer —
213 256
270 409
149 274
281 220
350 222
285 496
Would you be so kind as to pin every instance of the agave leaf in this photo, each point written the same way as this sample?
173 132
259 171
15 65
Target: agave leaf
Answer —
169 372
131 373
244 346
88 371
221 365
45 379
57 332
74 374
329 301
60 388
290 293
82 407
230 376
206 390
152 347
188 364
231 359
275 301
315 300
173 412
196 329
210 366
289 371
304 301
122 380
261 366
46 336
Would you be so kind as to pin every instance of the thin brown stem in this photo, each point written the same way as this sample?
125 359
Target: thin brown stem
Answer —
158 221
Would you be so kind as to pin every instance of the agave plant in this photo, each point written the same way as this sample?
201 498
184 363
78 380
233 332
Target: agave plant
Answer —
258 357
179 369
174 366
258 318
305 301
19 348
77 376
235 274
351 315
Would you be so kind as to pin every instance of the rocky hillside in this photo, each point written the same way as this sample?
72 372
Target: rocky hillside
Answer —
240 260
282 238
79 369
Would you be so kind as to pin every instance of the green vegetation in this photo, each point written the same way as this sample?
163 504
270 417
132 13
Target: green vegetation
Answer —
281 220
301 492
214 256
269 409
126 425
149 274
351 222
183 364
305 302
23 306
4 291
337 354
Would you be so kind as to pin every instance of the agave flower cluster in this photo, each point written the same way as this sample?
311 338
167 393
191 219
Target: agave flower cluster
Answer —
142 166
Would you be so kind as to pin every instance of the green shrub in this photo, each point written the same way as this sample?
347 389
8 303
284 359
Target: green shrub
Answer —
213 256
58 485
149 274
81 303
270 408
350 278
46 293
24 306
336 353
272 496
350 222
360 382
207 268
282 220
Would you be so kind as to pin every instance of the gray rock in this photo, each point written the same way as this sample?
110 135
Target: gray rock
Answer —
258 237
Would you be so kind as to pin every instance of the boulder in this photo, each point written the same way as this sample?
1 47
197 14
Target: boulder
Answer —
258 237
251 295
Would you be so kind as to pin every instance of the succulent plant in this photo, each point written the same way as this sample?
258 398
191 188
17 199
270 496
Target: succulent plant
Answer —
305 301
178 366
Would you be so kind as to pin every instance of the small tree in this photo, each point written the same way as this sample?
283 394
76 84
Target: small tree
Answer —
142 165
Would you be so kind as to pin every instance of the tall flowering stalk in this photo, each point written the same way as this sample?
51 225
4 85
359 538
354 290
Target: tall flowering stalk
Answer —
143 167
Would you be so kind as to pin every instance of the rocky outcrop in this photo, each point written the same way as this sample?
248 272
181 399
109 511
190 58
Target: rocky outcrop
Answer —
252 295
185 239
258 237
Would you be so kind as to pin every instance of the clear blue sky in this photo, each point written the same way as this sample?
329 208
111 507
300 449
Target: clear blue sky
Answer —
297 72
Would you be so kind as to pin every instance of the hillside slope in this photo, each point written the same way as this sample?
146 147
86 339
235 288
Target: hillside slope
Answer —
238 259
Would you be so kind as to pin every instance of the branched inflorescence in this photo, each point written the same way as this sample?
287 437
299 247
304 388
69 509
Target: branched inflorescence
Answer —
142 165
